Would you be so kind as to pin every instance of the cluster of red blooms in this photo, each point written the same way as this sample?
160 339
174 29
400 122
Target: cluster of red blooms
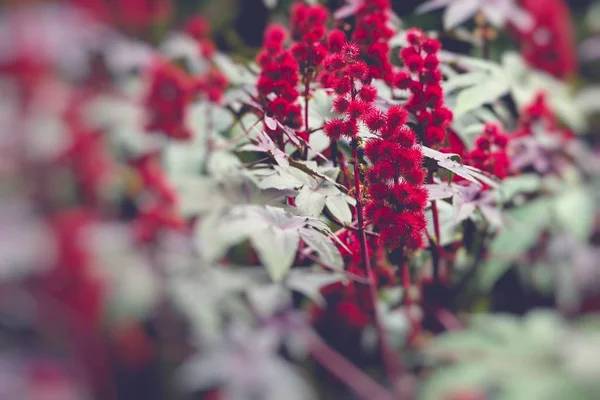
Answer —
135 15
354 97
538 112
170 93
550 44
372 34
277 82
198 28
307 25
350 305
172 90
159 212
395 182
422 77
212 84
490 153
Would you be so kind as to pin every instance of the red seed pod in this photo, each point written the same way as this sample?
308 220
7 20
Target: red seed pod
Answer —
396 116
368 93
414 36
335 129
402 79
482 143
375 120
340 104
431 46
501 140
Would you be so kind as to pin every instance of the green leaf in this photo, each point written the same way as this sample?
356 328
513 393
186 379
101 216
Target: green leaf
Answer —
276 248
323 246
310 282
310 202
338 206
523 229
513 185
484 93
575 210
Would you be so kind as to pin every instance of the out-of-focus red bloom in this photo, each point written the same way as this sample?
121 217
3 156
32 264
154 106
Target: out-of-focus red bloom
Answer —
170 93
198 28
212 85
372 34
538 112
153 178
307 24
72 279
86 155
152 219
489 153
550 44
423 77
136 15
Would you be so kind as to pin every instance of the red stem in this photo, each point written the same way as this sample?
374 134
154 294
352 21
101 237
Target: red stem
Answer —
363 385
391 363
436 228
306 93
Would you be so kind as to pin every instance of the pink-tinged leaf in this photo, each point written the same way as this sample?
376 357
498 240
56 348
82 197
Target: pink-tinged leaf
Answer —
492 214
267 145
462 208
432 5
438 191
347 10
460 11
270 122
298 141
470 173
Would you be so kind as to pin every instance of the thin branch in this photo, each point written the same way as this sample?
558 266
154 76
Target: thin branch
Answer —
363 385
391 363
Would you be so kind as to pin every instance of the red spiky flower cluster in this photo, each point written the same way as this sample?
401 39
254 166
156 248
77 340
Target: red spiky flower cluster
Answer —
307 25
170 93
395 182
489 153
538 112
212 85
347 77
277 82
371 36
199 28
549 44
422 77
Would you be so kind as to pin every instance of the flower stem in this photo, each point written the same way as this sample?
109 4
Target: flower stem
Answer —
306 129
363 385
391 363
436 245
